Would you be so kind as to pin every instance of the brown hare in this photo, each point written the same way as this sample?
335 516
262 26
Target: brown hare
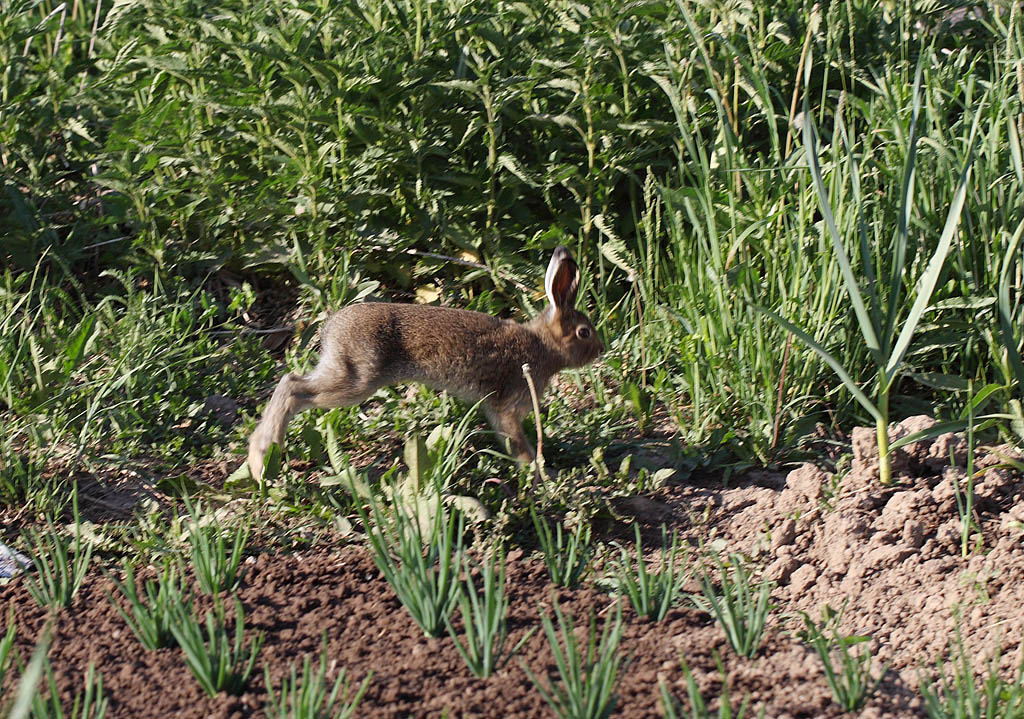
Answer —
472 355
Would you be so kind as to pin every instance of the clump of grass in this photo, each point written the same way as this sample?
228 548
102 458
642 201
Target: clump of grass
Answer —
214 563
306 696
60 566
218 661
956 694
740 607
152 621
92 703
483 619
851 684
566 554
587 676
673 708
652 593
422 568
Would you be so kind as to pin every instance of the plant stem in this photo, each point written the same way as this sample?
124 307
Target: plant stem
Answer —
882 432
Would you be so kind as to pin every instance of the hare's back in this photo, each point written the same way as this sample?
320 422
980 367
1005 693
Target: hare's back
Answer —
468 353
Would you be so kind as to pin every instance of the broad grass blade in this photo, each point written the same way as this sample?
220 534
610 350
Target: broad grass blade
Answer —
867 328
900 261
825 355
926 283
1011 257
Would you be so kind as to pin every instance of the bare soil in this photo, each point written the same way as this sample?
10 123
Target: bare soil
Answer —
892 553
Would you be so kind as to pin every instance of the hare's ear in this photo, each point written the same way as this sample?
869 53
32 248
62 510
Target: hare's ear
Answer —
562 279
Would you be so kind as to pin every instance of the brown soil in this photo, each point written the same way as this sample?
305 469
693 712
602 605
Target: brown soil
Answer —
893 553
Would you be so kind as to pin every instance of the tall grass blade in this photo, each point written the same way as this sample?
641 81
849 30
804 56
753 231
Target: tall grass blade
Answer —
867 328
927 280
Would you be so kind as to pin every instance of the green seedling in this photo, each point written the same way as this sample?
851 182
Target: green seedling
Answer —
566 554
60 566
483 612
422 566
218 661
306 695
215 564
698 709
956 694
851 683
152 620
587 676
740 607
652 593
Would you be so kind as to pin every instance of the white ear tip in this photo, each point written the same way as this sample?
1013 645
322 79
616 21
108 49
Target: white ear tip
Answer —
557 257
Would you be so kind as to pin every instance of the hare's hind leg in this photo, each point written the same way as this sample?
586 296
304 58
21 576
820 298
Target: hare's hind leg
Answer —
325 387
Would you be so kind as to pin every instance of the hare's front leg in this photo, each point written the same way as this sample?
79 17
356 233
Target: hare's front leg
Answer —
327 386
508 423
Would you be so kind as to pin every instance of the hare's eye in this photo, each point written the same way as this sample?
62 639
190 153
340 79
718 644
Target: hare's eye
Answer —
583 332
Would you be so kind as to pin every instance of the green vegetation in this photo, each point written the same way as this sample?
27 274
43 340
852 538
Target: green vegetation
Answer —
215 564
218 660
652 593
161 179
306 696
89 704
6 645
484 612
421 564
587 676
153 621
188 188
566 553
60 566
852 684
956 693
673 708
739 606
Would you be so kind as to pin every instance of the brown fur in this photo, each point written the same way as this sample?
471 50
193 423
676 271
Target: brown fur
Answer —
472 355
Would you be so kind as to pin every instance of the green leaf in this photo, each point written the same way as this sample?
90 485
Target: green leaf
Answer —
1006 323
825 355
867 328
926 283
417 459
272 463
74 350
334 453
955 425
